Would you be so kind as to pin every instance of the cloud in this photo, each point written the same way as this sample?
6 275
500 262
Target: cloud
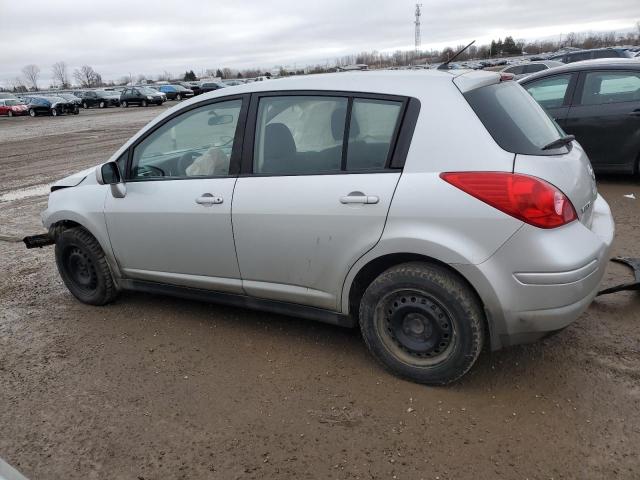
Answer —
120 37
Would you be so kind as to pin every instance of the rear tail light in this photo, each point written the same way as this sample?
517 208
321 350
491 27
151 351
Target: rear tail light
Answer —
527 198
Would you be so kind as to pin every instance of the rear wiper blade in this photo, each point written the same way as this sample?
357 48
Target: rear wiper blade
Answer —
561 142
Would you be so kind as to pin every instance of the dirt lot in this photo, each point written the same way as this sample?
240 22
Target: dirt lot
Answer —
159 388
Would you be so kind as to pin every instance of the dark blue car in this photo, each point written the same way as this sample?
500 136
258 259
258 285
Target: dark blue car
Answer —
40 105
175 92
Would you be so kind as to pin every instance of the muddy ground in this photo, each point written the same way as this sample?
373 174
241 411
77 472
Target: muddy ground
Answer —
159 388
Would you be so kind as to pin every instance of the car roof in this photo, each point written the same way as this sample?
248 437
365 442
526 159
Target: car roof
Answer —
412 83
596 64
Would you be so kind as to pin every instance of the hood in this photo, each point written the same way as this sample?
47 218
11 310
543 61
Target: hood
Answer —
73 179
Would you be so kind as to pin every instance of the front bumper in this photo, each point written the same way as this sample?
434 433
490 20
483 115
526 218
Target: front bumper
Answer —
540 281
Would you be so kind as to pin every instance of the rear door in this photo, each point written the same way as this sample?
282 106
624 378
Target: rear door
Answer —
554 94
605 118
317 183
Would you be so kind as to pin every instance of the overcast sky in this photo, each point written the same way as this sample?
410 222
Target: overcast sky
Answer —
118 37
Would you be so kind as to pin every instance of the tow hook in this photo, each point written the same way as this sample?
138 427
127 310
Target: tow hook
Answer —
634 264
38 241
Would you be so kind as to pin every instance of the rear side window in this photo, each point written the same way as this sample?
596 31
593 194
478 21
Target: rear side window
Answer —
513 118
299 135
610 87
372 127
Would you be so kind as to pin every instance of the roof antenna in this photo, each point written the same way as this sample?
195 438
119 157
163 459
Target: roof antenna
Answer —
445 65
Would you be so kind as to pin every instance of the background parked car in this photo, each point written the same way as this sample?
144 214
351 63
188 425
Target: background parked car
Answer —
579 55
40 105
141 96
523 69
193 86
211 86
70 97
598 101
12 107
7 95
174 92
100 98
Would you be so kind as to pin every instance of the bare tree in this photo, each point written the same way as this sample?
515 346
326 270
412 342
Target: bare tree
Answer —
31 73
86 76
60 75
18 85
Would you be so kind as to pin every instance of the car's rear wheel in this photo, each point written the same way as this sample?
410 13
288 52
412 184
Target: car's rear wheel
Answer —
32 112
10 113
85 105
83 267
143 103
178 97
422 322
124 104
102 105
54 112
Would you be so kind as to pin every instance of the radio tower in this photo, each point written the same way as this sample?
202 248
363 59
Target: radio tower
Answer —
417 22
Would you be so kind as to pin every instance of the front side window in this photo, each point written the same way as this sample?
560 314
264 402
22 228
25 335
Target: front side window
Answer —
197 143
610 87
299 135
549 92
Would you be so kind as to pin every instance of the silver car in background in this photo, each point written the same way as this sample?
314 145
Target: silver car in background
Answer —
439 210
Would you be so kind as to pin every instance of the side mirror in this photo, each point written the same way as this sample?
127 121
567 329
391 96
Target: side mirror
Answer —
109 174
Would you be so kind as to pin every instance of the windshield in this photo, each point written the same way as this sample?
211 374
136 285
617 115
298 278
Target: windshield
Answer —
514 119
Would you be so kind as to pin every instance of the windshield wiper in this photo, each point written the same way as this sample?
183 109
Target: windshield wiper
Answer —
561 142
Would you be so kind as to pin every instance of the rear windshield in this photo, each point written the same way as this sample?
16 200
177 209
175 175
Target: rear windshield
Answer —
514 119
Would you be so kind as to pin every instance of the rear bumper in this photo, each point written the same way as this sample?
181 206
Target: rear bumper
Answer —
540 281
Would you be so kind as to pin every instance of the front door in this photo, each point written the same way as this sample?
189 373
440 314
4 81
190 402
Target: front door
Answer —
553 94
605 118
314 194
174 223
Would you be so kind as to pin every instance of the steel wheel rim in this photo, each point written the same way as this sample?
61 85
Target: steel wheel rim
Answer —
80 269
415 327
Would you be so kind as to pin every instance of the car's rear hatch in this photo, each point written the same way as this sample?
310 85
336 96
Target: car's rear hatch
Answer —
520 126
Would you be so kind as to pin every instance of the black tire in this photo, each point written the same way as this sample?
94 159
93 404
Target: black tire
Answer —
178 97
143 103
54 112
10 113
423 323
85 105
32 112
84 268
102 105
124 104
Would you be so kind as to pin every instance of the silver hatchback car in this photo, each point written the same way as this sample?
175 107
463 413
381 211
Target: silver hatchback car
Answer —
440 210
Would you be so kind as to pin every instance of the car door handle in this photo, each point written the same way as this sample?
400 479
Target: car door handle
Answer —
209 199
359 197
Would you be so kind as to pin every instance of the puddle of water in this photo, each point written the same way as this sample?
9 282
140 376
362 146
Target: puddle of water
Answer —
19 194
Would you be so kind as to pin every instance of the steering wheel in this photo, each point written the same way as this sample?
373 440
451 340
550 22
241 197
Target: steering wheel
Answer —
149 171
186 160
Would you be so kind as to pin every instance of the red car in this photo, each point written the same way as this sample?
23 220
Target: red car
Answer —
11 107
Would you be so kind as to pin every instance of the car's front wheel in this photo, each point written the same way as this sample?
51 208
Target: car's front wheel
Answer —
422 322
85 105
124 104
10 113
103 105
178 97
54 112
143 103
32 112
83 267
